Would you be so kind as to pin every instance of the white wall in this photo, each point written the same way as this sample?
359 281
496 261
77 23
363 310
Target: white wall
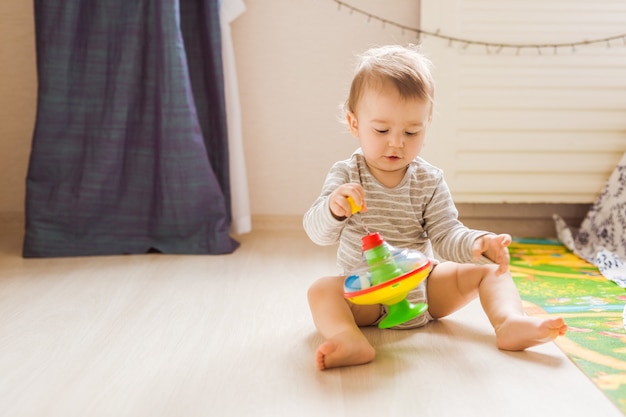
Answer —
295 60
517 129
18 85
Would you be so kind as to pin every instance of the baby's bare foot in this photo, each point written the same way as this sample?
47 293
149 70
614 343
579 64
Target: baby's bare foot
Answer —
344 349
519 333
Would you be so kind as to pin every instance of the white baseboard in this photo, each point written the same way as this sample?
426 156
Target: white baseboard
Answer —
270 222
520 220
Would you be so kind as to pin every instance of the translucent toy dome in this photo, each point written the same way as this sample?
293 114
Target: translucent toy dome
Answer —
385 275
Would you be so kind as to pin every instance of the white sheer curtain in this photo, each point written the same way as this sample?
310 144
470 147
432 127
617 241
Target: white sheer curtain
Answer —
240 199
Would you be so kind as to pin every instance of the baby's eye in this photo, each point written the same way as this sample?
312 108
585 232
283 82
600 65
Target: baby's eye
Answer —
382 131
411 133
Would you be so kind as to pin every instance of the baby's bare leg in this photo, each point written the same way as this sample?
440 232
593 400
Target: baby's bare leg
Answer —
339 324
452 285
514 329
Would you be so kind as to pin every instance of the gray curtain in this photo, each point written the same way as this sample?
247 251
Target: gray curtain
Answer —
129 151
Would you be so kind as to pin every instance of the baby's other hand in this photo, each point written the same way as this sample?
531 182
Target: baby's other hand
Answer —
494 247
338 200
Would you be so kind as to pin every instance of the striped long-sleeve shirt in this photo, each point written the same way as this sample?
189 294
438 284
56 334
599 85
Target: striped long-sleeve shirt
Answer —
418 213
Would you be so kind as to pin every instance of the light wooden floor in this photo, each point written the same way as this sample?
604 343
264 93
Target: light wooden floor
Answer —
159 335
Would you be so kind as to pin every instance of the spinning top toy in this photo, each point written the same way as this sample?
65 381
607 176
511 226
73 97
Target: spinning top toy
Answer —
385 275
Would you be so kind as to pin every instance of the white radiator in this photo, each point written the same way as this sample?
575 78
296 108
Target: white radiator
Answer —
527 125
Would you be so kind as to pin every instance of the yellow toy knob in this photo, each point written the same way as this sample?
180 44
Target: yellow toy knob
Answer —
353 206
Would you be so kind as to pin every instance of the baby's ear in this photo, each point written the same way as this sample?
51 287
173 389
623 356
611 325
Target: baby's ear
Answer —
353 124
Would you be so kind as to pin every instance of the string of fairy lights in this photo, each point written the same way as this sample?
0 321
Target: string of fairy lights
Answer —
489 47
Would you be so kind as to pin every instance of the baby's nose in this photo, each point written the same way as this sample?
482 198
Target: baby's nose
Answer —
396 141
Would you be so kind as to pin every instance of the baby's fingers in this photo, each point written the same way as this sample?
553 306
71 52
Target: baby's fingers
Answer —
503 259
502 269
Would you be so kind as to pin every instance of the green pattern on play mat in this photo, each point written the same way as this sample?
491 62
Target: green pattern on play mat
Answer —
553 280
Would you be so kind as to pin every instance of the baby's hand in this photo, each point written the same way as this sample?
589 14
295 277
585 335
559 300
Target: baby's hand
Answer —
338 200
494 247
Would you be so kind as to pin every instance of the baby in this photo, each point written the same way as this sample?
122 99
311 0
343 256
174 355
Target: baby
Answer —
389 110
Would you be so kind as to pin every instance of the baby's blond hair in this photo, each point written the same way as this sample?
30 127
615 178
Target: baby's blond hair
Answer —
403 67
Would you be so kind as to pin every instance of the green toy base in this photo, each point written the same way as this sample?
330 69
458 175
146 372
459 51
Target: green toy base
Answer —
402 312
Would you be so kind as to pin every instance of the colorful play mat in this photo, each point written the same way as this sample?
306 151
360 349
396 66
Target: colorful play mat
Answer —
553 280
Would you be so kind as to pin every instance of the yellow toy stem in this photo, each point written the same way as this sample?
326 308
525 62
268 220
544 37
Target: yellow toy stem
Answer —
353 206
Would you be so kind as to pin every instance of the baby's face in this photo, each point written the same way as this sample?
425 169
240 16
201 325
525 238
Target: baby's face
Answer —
391 131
